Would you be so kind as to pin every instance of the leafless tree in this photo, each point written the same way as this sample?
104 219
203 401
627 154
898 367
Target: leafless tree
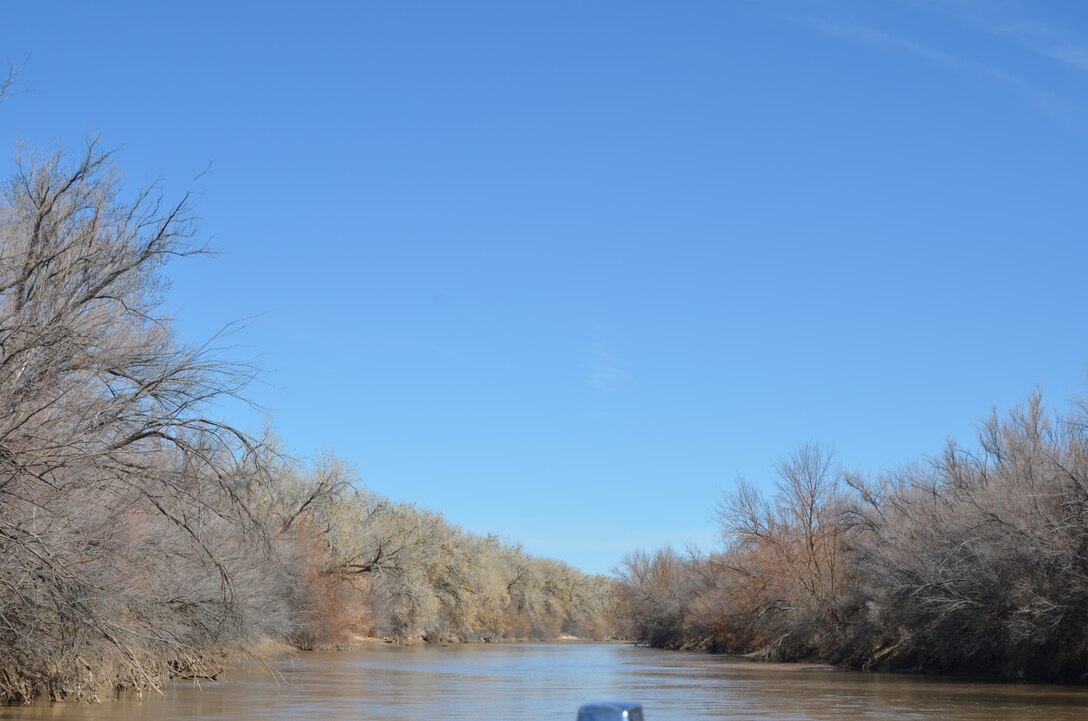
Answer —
655 591
124 533
791 546
8 81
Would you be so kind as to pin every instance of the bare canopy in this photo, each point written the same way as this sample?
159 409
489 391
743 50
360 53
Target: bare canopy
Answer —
122 518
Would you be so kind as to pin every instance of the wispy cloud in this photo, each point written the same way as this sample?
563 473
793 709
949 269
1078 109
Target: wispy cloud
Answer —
1047 41
992 69
889 41
1014 23
607 371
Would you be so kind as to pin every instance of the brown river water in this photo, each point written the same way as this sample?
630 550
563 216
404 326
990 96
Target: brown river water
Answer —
549 681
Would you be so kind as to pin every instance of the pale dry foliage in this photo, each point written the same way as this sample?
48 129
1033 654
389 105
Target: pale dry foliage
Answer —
360 564
415 575
980 558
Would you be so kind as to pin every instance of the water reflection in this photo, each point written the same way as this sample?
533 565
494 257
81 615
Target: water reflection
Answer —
546 681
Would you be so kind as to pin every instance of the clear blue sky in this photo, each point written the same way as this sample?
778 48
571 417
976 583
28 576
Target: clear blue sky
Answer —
564 270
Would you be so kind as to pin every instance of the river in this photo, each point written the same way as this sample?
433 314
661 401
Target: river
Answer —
549 681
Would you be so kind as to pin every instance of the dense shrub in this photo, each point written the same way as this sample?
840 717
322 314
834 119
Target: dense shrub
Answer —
976 561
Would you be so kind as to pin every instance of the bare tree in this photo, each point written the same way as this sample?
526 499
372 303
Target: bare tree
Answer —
655 590
798 533
8 81
123 528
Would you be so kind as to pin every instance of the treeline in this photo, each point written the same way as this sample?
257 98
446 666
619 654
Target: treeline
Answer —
975 562
140 537
376 568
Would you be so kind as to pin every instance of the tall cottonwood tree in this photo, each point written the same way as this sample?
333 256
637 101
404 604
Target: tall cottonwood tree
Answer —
126 541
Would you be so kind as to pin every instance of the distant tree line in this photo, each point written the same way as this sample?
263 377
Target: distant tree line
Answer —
140 537
976 561
381 569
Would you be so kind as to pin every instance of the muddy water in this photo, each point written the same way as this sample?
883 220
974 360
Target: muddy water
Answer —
513 682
